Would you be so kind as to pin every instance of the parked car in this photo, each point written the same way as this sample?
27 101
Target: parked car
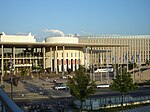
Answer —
103 86
60 86
67 76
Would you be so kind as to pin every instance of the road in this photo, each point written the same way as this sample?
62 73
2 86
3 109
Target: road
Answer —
41 91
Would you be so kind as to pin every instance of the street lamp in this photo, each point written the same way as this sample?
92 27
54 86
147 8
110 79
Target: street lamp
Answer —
11 72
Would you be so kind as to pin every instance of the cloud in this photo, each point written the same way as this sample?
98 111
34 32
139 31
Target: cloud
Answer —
55 32
85 33
21 33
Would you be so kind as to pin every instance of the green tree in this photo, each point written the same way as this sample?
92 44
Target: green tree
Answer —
130 65
41 71
147 62
23 72
81 85
123 83
6 67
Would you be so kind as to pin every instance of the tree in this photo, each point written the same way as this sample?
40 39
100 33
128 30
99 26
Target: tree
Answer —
6 67
15 80
23 72
131 65
41 71
147 62
81 85
123 83
69 71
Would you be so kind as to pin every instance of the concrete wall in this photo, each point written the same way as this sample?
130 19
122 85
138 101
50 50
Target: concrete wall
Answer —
61 40
17 38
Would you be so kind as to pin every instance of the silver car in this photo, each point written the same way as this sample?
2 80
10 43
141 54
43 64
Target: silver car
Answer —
60 86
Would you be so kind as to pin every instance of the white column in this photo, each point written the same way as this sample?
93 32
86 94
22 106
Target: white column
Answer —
43 57
91 65
148 48
115 68
127 59
85 58
69 63
140 59
14 59
64 60
51 58
59 65
78 59
2 64
56 60
107 64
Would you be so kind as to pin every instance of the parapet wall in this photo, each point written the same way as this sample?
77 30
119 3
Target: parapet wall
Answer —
61 40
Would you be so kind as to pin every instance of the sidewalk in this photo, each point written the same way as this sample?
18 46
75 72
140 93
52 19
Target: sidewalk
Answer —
35 89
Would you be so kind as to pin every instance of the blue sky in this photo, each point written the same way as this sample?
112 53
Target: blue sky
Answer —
83 17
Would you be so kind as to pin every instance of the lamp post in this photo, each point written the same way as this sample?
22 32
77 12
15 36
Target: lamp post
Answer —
11 72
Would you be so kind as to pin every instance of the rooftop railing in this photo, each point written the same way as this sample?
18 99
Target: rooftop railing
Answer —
7 104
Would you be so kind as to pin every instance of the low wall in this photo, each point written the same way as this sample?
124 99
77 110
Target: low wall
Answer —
109 102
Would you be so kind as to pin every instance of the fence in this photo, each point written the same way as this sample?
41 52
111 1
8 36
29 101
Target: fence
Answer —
113 101
7 104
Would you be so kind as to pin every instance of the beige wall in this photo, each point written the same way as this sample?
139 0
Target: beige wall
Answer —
139 44
69 54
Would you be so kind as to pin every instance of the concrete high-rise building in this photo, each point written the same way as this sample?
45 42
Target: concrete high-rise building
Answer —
138 50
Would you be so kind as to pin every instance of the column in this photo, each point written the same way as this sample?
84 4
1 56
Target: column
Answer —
64 60
78 59
121 56
140 59
14 59
59 65
92 67
43 57
2 64
127 59
107 64
115 68
56 60
85 61
50 59
148 48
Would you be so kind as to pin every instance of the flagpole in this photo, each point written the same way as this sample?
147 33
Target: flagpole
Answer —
133 68
127 60
139 65
115 64
100 57
107 65
140 70
121 59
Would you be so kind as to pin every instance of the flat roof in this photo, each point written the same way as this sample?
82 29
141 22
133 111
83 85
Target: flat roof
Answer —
41 44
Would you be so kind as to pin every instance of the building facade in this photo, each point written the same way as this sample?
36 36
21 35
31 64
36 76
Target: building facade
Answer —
138 50
58 54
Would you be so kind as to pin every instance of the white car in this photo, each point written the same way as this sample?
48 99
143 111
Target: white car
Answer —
60 86
103 86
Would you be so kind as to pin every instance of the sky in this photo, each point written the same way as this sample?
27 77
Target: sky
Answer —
83 17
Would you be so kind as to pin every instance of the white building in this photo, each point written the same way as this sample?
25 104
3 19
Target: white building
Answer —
57 53
17 38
